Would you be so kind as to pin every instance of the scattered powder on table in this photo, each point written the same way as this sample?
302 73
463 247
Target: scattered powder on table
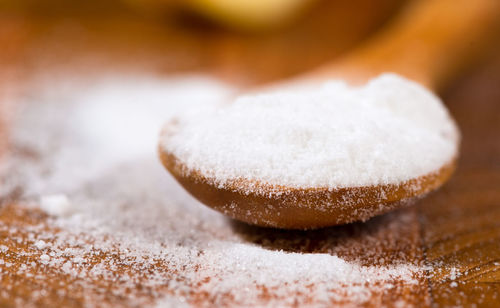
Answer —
120 227
331 135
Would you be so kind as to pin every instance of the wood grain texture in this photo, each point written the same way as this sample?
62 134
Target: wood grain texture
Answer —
459 226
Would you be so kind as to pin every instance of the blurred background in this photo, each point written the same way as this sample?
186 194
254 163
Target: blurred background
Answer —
246 41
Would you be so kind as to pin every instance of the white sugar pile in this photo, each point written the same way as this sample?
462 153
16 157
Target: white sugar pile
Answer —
333 135
89 155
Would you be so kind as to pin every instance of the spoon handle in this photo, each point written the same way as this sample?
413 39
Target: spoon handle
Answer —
430 42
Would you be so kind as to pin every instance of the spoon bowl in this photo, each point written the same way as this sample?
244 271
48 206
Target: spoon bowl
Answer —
301 208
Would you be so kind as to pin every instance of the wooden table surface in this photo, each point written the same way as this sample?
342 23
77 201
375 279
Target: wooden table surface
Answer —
458 226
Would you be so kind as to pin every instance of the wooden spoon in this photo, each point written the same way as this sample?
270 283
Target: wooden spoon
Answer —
428 43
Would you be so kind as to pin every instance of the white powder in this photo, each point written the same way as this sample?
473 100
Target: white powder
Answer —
57 205
45 258
333 135
40 244
135 235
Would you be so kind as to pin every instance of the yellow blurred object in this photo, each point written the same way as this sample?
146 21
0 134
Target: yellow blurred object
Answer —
250 14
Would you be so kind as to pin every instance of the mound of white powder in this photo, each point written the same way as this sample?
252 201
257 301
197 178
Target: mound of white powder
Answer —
331 135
